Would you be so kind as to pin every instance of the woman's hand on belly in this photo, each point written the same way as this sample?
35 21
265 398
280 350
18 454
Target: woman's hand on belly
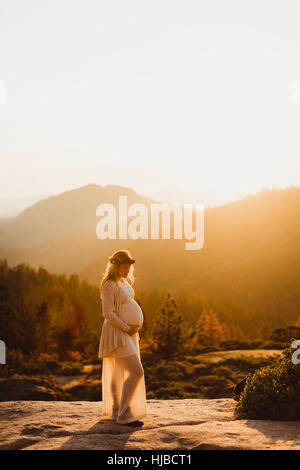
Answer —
133 329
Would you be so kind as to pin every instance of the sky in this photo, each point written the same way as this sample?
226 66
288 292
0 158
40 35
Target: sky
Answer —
202 96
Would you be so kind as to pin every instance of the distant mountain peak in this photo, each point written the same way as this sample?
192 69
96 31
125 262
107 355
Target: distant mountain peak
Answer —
119 188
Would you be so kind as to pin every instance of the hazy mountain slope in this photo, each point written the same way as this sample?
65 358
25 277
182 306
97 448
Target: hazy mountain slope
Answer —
70 213
250 258
4 221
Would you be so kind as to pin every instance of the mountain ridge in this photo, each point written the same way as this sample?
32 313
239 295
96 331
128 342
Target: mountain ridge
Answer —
250 257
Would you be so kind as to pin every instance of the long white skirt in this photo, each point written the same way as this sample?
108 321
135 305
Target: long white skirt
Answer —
123 383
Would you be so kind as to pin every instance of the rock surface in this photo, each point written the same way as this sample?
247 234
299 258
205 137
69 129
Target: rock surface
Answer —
170 424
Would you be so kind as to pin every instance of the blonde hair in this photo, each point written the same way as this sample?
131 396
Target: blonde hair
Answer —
112 266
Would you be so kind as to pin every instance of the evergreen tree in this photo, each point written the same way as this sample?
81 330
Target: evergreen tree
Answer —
64 342
209 331
61 302
26 329
8 318
17 323
168 332
43 321
265 331
76 318
225 332
236 333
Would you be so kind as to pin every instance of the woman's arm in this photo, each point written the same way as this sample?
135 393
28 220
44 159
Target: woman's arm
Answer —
108 308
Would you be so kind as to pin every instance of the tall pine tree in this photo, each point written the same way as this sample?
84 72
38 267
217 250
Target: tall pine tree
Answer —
169 329
43 321
209 331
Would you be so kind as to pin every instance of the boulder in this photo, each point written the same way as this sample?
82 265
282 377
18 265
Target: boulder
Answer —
24 388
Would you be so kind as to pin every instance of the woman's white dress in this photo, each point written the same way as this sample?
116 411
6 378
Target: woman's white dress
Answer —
120 310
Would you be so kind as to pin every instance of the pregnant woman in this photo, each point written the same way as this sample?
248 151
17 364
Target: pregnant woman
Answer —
123 381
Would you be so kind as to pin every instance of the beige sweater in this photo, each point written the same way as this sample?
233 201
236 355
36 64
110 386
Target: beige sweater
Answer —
114 330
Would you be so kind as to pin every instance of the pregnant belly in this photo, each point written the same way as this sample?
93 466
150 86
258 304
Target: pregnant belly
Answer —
131 313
